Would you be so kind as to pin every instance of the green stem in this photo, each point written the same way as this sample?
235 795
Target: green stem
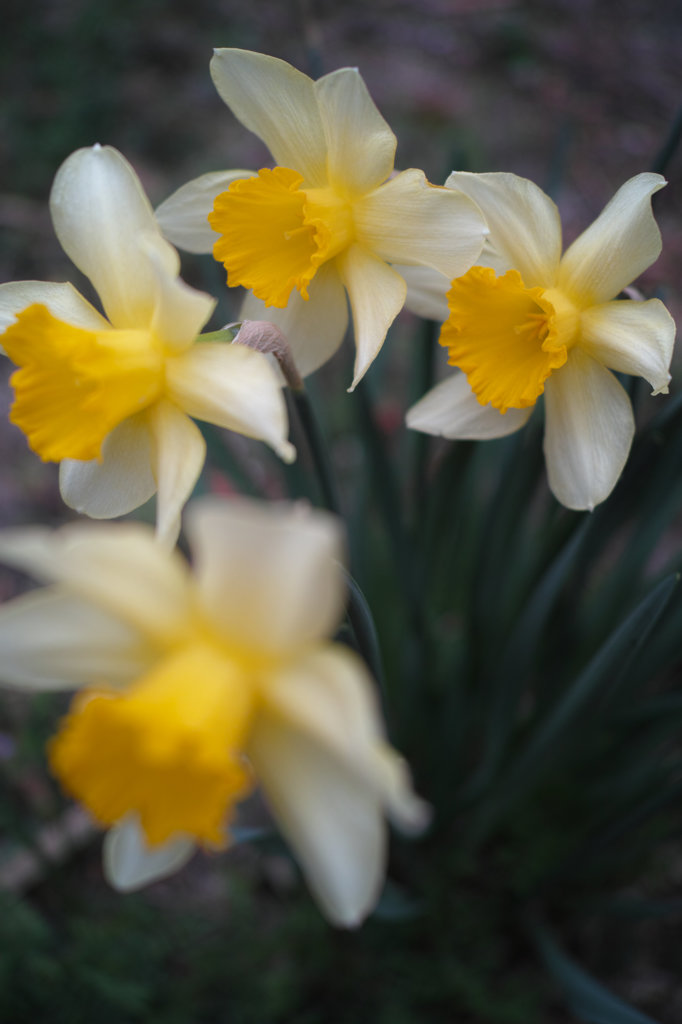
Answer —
364 630
318 451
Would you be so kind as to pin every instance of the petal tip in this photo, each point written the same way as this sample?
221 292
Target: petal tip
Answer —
287 452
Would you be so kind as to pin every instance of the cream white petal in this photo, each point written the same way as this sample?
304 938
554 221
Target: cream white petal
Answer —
278 104
490 257
525 227
121 482
408 220
314 327
233 387
588 433
631 337
377 294
99 211
328 814
452 410
183 216
180 311
62 300
117 567
360 145
622 242
328 694
407 811
426 291
53 640
179 455
130 864
268 575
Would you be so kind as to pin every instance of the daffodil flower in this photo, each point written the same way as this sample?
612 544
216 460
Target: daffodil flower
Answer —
111 399
328 219
198 684
531 321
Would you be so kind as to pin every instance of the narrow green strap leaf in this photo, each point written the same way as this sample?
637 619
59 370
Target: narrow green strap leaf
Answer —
637 909
515 662
604 672
396 904
588 999
388 497
626 825
605 668
422 381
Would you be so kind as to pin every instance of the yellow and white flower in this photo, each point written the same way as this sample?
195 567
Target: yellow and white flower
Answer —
199 683
328 219
111 399
531 321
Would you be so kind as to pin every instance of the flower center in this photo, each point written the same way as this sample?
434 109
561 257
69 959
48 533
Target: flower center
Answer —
75 385
507 338
275 234
168 748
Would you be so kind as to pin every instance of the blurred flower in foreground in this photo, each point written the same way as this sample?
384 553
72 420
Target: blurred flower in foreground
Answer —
532 320
110 399
326 218
201 683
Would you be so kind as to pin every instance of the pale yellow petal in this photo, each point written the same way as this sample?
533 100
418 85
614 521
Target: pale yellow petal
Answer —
524 223
121 482
588 433
53 640
179 311
377 294
314 327
407 811
329 816
409 221
278 104
426 291
179 454
452 410
129 864
319 750
622 242
117 567
269 576
100 211
233 387
361 146
62 300
183 217
328 694
631 337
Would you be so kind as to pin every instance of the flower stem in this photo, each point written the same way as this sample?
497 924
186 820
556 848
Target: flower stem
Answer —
365 633
318 450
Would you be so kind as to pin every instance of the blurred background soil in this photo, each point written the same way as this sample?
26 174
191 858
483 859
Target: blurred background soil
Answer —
578 95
